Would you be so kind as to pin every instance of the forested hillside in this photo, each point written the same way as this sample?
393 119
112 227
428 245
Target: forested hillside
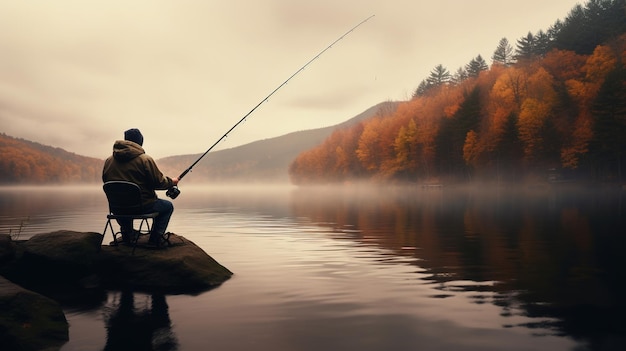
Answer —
555 104
26 162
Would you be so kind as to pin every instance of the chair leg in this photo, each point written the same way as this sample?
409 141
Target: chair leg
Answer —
108 226
144 228
104 233
134 236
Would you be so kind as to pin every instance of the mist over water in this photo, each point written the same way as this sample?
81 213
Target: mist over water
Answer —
369 268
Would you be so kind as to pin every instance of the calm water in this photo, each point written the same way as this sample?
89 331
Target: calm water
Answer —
349 269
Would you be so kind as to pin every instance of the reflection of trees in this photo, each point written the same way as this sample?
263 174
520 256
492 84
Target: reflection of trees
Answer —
553 255
146 327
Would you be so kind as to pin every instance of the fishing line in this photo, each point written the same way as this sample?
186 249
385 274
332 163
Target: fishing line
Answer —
173 192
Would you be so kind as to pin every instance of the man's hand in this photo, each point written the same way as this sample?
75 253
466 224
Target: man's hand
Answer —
175 181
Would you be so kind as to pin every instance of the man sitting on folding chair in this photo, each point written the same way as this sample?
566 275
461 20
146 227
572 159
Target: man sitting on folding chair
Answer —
130 163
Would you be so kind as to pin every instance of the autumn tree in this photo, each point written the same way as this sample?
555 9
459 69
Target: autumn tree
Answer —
347 164
510 89
535 127
471 148
368 146
564 65
406 148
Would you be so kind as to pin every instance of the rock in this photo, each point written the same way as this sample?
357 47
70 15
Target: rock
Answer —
55 258
30 321
76 259
75 262
7 248
180 268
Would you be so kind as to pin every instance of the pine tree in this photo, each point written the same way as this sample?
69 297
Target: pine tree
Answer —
475 66
438 76
504 53
585 27
459 76
452 133
422 89
525 49
542 44
609 112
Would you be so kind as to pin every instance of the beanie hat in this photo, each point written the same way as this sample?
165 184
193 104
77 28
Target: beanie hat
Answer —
134 135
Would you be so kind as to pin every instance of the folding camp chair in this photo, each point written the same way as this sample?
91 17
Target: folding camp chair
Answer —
125 204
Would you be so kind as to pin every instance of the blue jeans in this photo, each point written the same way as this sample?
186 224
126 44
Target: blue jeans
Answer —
165 210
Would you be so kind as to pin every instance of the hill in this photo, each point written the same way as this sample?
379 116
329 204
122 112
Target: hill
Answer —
553 108
260 161
27 162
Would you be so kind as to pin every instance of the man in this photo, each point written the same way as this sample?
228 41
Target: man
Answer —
129 162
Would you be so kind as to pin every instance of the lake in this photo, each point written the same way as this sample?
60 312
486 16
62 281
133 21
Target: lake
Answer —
356 268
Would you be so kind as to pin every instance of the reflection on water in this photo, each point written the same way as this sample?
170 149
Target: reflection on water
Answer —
349 268
556 256
138 325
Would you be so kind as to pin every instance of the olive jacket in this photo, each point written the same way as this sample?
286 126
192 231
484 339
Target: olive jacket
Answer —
129 162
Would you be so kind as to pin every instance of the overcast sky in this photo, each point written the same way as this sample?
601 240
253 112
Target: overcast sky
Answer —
75 74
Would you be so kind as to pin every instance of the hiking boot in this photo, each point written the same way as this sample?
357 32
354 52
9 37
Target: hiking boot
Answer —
130 235
121 240
157 240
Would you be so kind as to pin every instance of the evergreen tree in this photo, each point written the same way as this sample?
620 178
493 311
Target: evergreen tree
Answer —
422 89
438 76
509 151
586 27
504 53
608 147
452 133
459 76
553 31
542 44
476 66
569 35
525 49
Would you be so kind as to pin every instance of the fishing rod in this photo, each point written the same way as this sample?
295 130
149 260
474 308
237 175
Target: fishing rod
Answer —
173 192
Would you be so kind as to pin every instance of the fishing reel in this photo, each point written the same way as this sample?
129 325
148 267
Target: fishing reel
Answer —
172 192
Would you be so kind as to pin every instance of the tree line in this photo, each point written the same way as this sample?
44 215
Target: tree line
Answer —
26 162
554 103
